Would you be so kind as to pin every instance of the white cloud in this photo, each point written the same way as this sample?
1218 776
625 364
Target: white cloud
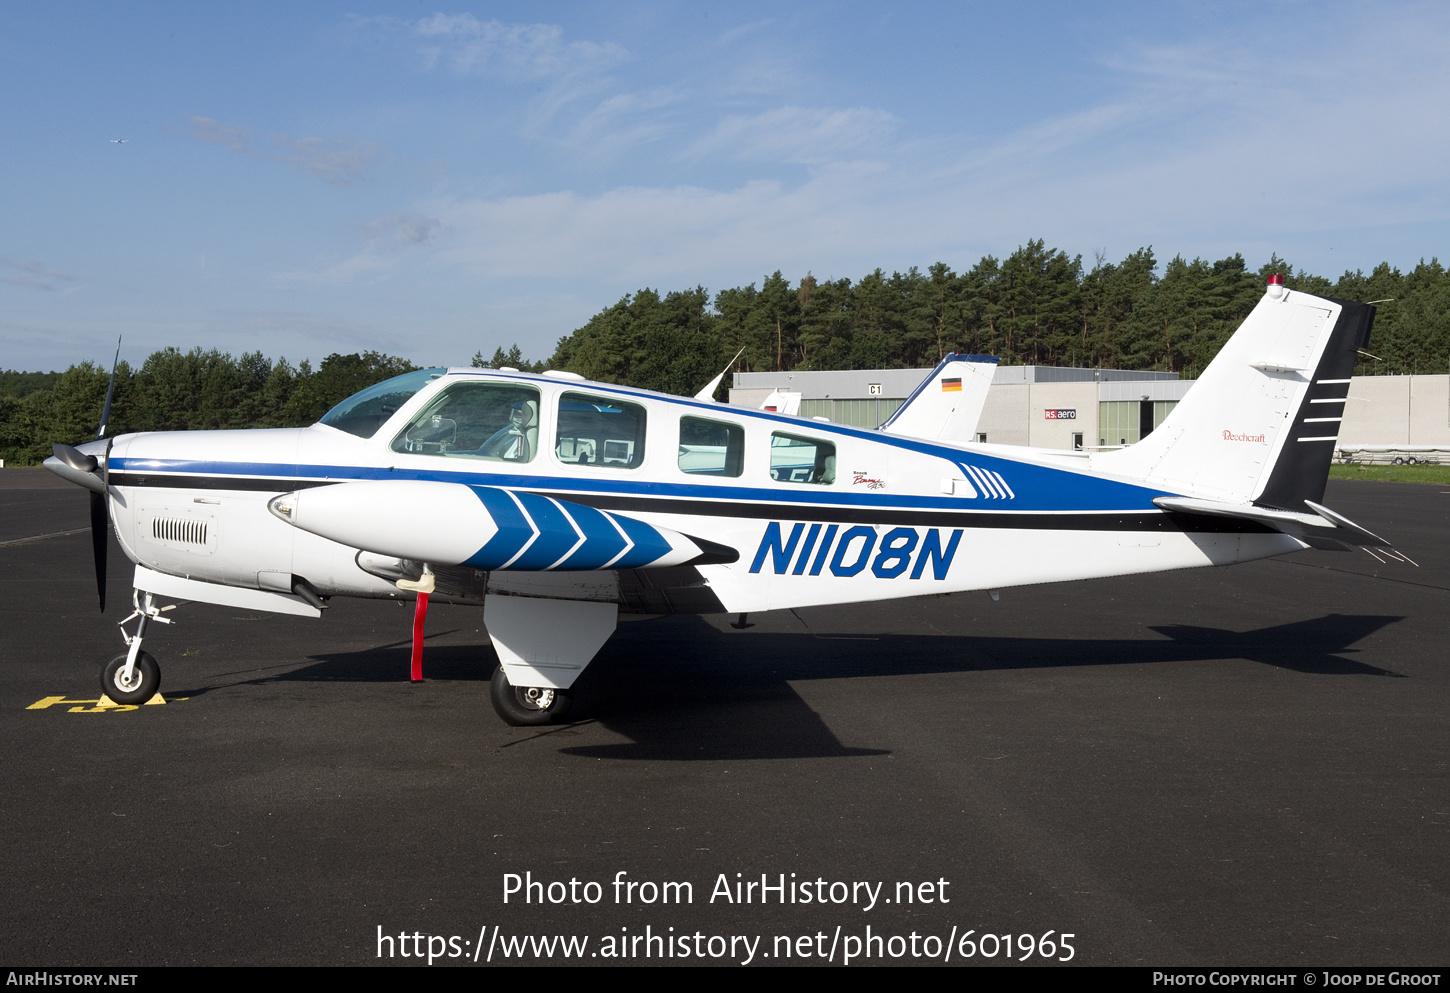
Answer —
1221 145
32 275
304 331
733 35
578 103
644 234
369 265
466 45
402 227
613 125
798 134
227 135
385 238
337 161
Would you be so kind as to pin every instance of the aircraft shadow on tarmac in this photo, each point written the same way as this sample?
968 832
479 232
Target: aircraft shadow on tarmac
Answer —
682 690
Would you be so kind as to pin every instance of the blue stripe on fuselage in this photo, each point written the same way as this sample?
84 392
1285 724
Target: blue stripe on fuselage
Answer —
1036 488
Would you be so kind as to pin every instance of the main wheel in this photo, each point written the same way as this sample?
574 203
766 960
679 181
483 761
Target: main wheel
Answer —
527 706
142 686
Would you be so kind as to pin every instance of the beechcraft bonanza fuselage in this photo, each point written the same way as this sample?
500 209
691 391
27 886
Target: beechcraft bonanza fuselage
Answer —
559 504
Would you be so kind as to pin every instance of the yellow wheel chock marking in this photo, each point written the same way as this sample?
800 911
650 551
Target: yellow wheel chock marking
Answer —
103 705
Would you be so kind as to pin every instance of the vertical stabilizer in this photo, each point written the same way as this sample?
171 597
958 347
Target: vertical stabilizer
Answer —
1261 423
1300 472
948 403
783 402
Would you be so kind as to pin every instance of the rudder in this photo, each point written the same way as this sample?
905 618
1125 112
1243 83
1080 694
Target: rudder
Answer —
1302 469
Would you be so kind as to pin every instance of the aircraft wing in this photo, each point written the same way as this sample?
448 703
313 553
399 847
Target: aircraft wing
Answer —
487 528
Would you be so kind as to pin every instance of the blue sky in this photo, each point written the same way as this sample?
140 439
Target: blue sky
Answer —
429 181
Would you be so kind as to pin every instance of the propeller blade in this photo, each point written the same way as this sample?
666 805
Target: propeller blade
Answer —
101 525
110 390
100 540
100 501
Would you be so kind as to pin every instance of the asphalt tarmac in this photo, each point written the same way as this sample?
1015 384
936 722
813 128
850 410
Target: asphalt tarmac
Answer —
1224 766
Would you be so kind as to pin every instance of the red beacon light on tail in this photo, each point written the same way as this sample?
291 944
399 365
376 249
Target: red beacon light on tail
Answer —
1276 286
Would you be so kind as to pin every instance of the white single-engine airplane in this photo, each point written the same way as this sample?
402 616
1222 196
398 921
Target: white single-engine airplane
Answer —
559 504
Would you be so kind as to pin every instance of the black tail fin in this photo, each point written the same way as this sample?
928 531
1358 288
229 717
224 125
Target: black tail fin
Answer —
1303 466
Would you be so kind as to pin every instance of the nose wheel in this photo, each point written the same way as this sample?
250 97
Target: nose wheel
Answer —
527 706
136 683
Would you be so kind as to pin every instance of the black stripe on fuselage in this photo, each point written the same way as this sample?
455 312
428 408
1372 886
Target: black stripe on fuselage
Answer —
1027 521
251 484
1107 521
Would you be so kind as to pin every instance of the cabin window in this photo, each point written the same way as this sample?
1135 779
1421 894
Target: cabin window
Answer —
711 448
600 431
802 460
496 422
363 413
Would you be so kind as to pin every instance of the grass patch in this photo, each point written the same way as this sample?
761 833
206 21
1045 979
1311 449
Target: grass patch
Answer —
1393 473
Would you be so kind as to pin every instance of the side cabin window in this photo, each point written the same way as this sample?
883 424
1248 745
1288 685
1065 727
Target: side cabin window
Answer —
600 431
497 422
711 448
802 460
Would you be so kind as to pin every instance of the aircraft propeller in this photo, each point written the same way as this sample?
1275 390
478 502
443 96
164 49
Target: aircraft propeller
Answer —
94 475
101 528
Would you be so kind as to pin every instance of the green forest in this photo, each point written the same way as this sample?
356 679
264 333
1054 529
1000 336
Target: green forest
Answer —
1038 305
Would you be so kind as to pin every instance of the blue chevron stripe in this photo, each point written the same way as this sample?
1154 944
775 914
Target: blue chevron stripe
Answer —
602 540
545 530
556 534
648 543
514 531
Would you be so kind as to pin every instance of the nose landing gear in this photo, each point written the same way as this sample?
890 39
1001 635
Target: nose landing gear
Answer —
133 676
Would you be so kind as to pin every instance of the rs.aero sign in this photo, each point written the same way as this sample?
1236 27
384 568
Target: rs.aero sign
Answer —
1061 414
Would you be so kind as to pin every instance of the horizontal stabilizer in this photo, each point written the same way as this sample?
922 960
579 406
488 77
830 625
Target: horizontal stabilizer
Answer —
1321 529
1366 537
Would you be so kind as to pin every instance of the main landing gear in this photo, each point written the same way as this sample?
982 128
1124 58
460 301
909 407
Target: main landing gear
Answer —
543 644
527 706
133 676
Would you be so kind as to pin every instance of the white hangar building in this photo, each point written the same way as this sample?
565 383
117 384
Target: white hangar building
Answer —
1052 407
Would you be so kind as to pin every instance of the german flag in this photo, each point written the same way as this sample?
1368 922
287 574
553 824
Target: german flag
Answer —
951 386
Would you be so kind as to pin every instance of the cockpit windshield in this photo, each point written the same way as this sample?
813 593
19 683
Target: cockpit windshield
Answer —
363 413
